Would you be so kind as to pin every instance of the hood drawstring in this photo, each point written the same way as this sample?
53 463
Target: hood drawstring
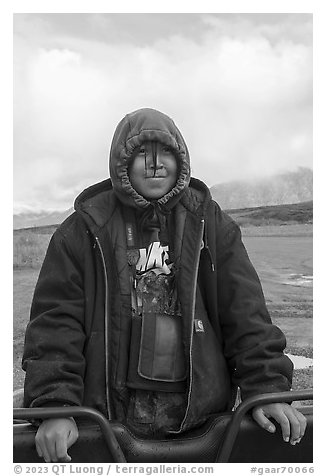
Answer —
155 218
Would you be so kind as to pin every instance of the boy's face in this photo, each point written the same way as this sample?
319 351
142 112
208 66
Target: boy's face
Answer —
150 181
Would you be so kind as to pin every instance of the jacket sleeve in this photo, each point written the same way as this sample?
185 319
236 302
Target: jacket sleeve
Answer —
253 345
54 341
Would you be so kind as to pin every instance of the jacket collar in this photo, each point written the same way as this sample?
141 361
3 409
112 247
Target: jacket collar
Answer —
97 203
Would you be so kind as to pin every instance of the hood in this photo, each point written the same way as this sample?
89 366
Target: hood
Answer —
134 129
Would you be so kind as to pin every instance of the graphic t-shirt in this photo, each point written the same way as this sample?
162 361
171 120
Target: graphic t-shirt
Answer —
157 354
155 258
157 369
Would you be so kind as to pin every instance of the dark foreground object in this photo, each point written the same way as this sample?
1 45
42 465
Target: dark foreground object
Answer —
230 437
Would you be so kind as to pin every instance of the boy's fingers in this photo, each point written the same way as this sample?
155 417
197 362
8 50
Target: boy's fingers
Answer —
303 422
38 449
294 424
72 437
262 420
283 420
41 446
49 442
61 450
54 437
300 426
44 452
64 442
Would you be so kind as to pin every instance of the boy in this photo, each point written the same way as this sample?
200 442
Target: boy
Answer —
147 307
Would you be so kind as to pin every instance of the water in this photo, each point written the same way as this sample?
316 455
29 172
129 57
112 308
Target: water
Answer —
299 280
300 362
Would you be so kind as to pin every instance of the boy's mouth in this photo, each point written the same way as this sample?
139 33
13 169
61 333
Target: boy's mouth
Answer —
160 176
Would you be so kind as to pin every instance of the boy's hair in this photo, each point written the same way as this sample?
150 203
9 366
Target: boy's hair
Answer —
154 156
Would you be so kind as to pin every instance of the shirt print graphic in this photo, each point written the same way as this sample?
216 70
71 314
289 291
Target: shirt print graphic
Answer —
155 258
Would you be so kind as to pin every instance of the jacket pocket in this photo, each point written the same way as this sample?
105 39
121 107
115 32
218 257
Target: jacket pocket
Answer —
148 355
161 355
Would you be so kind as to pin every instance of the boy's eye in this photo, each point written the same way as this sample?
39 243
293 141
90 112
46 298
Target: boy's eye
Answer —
167 150
142 150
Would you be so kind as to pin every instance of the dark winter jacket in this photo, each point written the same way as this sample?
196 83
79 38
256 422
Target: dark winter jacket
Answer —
77 342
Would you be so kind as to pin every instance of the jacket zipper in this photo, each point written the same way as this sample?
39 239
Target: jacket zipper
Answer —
208 251
193 302
106 328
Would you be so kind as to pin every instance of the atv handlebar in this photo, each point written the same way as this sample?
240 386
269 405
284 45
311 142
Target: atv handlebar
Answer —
113 444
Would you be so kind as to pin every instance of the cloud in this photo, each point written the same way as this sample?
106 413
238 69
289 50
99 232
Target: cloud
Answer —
239 89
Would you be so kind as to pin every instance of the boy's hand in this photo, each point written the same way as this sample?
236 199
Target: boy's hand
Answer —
293 423
54 437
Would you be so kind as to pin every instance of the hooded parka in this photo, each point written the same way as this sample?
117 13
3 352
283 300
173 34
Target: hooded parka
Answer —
78 340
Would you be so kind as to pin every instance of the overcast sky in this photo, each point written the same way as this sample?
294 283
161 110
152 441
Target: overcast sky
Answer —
238 86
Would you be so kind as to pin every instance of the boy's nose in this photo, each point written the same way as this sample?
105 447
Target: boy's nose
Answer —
158 165
150 161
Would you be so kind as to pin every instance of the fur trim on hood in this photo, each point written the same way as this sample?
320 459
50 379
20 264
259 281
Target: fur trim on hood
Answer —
133 130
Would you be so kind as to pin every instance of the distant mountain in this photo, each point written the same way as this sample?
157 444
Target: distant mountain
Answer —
255 216
295 213
43 218
279 189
